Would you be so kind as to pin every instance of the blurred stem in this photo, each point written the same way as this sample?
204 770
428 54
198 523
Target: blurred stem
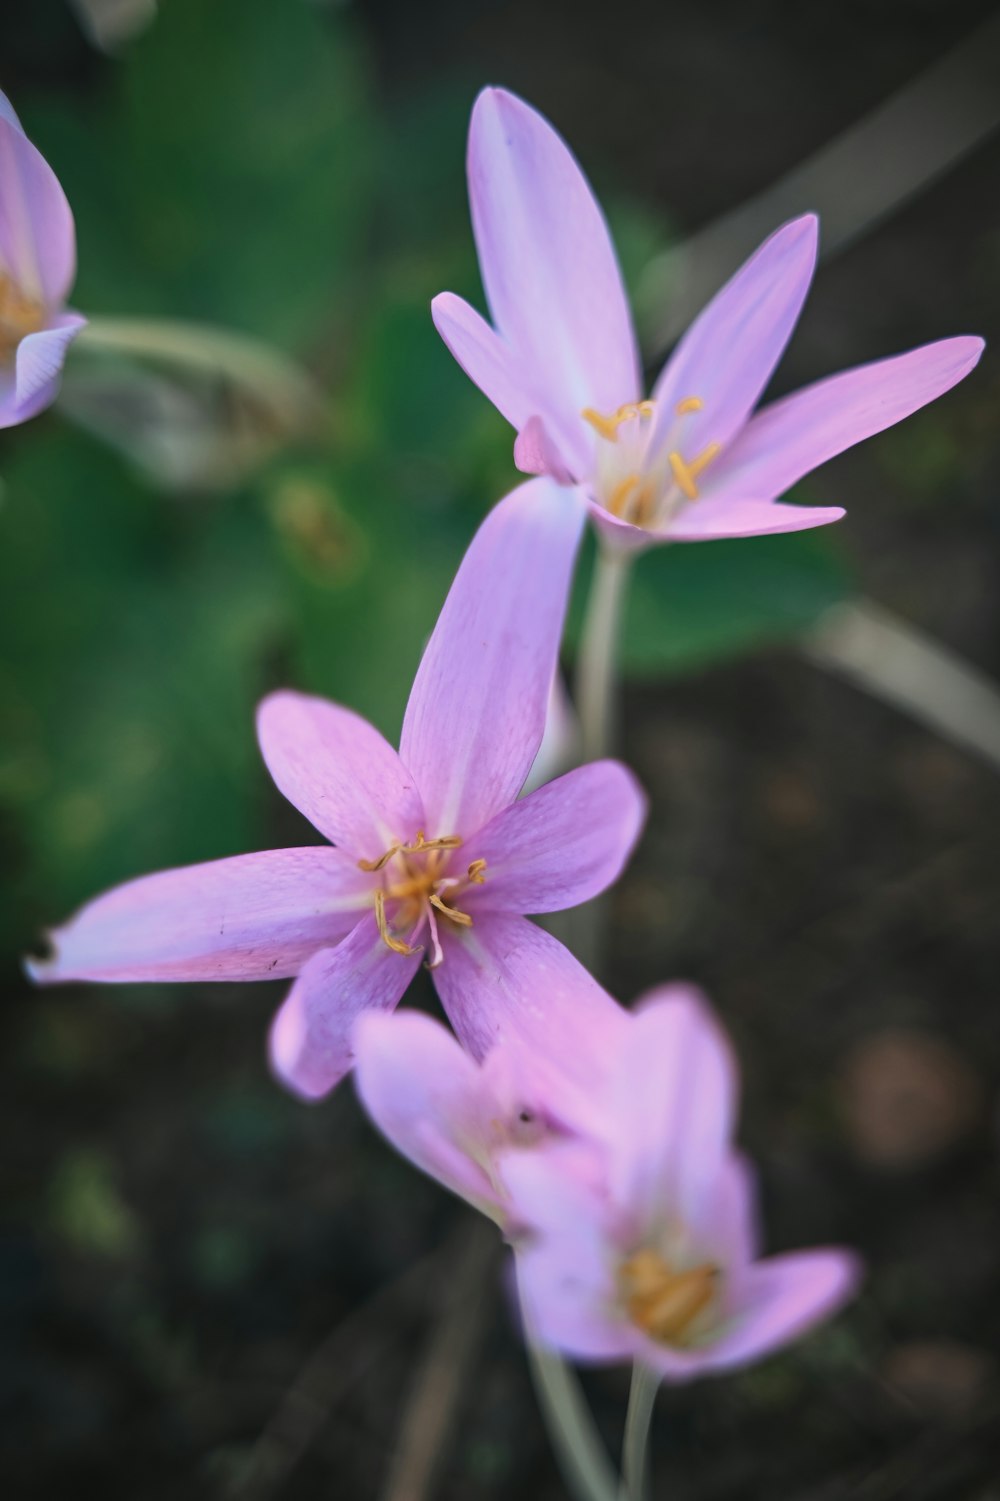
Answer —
585 1466
635 1451
596 680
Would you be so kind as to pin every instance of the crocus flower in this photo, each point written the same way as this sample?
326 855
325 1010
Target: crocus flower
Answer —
37 268
435 857
560 360
660 1264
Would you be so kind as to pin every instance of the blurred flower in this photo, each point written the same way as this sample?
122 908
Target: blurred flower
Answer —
562 365
37 268
658 1262
434 852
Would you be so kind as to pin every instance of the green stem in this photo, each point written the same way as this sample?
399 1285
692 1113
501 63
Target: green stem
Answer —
585 1466
635 1451
596 680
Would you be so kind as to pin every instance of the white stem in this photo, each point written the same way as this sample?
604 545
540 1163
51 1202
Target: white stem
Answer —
596 681
585 1466
635 1451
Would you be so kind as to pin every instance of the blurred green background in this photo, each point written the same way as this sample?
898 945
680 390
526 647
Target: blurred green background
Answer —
173 544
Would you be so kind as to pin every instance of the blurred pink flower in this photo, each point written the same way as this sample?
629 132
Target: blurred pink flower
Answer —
435 857
561 362
659 1263
37 268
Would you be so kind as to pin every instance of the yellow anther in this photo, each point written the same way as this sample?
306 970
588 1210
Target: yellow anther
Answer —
608 427
689 404
382 860
620 494
663 1302
475 872
420 846
388 938
686 473
462 918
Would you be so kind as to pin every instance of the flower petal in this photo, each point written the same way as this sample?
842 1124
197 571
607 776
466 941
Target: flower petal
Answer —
338 770
476 713
537 452
549 268
39 362
485 357
561 845
37 237
784 1297
506 981
252 917
311 1046
673 1107
429 1099
793 436
728 354
715 517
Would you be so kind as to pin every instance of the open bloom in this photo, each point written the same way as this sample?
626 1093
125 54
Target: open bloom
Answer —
435 857
561 363
37 268
659 1262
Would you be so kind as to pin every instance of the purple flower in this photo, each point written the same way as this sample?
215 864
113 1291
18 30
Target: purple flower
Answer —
435 857
659 1262
561 363
37 268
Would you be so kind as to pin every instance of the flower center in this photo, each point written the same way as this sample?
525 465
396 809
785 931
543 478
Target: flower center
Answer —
19 315
416 889
665 1303
644 483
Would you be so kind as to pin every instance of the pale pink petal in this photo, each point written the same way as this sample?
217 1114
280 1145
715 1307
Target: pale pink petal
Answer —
712 517
560 740
793 436
549 268
38 365
252 917
536 451
339 771
429 1099
476 713
674 1100
485 357
8 113
37 237
620 535
784 1297
561 845
311 1036
728 354
728 1229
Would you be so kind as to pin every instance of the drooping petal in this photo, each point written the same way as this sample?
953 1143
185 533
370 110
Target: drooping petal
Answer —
252 917
548 266
674 1097
506 981
37 237
716 517
339 771
784 1297
476 713
38 369
311 1036
793 436
428 1097
560 845
727 356
537 451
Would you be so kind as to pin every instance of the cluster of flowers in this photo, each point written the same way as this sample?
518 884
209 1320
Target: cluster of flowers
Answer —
599 1139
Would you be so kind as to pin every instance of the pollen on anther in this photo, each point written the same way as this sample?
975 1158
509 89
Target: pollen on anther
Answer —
689 404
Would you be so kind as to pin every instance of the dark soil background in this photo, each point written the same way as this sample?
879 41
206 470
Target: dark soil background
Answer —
248 1310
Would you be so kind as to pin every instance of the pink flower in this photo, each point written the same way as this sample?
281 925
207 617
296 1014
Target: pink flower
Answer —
561 363
660 1263
37 268
435 857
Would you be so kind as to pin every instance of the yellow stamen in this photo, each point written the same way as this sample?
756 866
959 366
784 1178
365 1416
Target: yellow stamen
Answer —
475 872
689 404
621 493
685 473
608 427
462 918
19 315
382 860
420 846
388 938
663 1302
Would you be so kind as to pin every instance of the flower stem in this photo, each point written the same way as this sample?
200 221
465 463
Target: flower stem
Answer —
585 1466
635 1451
596 681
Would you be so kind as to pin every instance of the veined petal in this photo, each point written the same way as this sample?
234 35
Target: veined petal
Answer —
252 917
718 516
560 845
485 357
782 1298
37 237
39 361
429 1099
795 435
311 1047
548 266
476 713
339 771
727 356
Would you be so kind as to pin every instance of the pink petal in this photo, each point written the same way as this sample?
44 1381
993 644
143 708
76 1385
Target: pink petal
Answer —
561 845
38 366
429 1099
621 535
485 357
795 435
37 238
728 354
338 770
536 451
505 981
549 268
784 1297
252 917
311 1036
674 1097
711 517
476 713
